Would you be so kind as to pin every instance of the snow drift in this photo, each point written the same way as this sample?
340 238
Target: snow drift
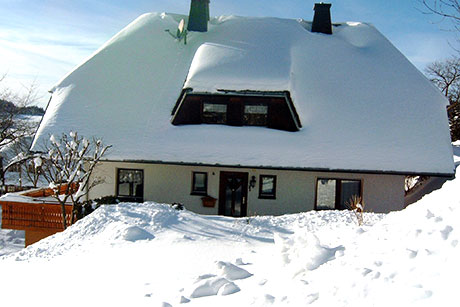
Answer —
150 253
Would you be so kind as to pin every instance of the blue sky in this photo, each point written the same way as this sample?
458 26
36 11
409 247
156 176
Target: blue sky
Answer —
44 40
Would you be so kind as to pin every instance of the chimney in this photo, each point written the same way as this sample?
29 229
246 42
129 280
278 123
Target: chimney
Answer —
322 18
199 16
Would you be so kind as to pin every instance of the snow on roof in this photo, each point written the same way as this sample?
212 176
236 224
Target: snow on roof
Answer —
362 105
18 197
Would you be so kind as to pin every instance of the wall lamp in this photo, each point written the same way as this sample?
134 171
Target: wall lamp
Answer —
252 183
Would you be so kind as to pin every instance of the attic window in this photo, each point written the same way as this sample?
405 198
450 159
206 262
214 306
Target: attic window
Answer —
255 115
214 113
273 110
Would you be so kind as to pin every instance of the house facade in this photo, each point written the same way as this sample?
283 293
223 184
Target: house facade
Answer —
242 116
248 191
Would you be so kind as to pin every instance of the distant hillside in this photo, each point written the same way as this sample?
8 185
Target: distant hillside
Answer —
6 106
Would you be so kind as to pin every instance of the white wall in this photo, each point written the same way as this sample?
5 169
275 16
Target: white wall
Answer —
295 190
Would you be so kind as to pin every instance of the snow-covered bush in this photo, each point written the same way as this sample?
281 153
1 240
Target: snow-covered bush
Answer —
106 200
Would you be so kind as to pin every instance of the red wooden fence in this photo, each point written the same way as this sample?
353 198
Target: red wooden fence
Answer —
49 192
24 216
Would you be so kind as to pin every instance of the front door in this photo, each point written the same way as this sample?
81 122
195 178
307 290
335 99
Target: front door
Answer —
233 194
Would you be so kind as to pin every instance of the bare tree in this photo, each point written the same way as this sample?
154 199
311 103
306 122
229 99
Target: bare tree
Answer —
67 165
449 9
14 126
17 161
33 170
446 76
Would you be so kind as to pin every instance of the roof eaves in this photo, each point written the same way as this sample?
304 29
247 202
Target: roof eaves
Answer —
281 168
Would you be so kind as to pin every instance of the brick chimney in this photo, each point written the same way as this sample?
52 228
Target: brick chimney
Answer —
322 19
199 16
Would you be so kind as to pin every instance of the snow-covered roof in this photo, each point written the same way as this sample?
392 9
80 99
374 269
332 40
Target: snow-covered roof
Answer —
19 197
362 105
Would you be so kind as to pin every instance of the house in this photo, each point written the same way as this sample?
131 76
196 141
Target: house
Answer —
241 116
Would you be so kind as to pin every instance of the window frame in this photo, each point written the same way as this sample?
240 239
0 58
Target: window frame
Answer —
204 118
281 113
266 195
247 122
129 197
199 192
338 190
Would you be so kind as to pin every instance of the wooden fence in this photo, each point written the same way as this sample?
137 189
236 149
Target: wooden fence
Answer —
50 192
25 216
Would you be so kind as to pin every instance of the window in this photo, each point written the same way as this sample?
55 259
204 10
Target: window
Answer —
199 183
130 185
220 113
336 193
267 186
274 110
214 113
255 115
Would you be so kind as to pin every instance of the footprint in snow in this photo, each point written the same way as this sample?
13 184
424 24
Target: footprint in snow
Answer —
366 271
135 233
312 297
429 214
306 249
232 272
214 286
423 294
205 276
446 232
211 284
428 294
239 261
411 253
269 298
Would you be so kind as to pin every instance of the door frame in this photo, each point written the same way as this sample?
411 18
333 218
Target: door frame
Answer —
222 186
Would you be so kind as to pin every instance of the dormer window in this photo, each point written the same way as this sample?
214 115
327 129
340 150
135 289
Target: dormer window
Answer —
214 113
255 115
273 110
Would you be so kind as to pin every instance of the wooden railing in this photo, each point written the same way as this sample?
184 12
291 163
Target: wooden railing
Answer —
24 216
50 192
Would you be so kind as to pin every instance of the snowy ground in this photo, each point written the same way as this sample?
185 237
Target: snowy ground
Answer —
10 240
153 255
